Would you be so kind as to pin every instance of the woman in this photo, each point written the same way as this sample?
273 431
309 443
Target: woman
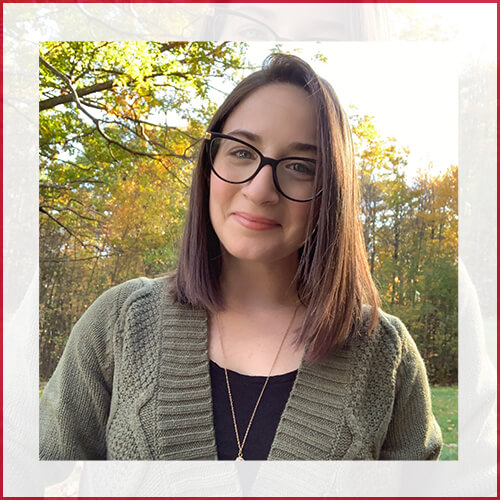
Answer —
267 342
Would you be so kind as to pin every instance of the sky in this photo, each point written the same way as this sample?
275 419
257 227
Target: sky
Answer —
410 89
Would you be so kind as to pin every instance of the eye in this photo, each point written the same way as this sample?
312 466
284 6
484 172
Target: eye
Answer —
301 168
254 34
251 30
241 153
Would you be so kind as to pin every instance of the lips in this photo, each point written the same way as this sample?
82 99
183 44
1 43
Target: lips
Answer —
255 222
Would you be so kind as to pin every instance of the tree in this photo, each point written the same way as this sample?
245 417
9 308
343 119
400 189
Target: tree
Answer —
103 104
114 169
410 229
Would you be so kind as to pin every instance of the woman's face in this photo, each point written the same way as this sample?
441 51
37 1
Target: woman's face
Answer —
253 221
269 22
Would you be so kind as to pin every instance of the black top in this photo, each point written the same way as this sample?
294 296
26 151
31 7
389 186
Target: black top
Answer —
245 390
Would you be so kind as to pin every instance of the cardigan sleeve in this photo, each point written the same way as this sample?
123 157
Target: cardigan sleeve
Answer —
413 432
75 404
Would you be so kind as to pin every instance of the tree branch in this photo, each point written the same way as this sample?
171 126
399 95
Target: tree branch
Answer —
55 101
70 260
71 233
171 45
61 209
69 188
95 120
97 123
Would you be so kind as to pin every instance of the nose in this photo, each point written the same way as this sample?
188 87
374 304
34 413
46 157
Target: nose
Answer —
261 189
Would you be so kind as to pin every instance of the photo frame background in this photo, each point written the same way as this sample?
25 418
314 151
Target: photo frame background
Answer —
475 472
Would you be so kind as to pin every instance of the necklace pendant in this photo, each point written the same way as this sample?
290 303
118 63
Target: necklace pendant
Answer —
240 457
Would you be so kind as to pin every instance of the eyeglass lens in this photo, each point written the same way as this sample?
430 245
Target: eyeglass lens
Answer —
236 162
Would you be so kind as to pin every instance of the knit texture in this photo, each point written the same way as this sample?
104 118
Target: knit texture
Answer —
133 383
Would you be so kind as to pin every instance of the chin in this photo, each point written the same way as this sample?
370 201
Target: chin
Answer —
249 256
260 256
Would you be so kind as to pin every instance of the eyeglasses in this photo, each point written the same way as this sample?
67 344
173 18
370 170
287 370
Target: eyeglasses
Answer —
235 161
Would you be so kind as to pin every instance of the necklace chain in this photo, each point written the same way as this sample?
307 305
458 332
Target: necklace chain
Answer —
241 443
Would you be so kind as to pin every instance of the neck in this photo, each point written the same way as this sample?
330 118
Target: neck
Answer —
250 285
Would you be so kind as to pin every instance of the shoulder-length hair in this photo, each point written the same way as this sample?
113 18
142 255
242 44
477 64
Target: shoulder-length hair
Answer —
333 279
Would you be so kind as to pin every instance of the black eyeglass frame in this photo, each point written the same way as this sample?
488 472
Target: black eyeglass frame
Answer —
264 160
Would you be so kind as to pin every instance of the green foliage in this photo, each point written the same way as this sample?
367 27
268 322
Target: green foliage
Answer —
445 408
114 170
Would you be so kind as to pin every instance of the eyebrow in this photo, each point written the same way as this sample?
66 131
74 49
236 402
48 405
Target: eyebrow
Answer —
296 146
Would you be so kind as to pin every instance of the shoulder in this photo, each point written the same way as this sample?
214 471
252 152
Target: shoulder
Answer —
119 295
122 296
393 327
390 346
390 330
143 306
389 343
112 308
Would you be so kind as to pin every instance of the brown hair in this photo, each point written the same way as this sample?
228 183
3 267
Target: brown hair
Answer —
333 278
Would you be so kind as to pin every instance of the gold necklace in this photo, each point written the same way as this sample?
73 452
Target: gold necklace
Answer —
241 443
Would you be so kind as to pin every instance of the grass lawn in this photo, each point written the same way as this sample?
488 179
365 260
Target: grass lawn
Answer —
445 407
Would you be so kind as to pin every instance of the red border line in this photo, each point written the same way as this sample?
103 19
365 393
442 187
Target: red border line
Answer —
2 252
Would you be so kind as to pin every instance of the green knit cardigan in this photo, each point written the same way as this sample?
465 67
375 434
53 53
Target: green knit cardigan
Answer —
133 383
